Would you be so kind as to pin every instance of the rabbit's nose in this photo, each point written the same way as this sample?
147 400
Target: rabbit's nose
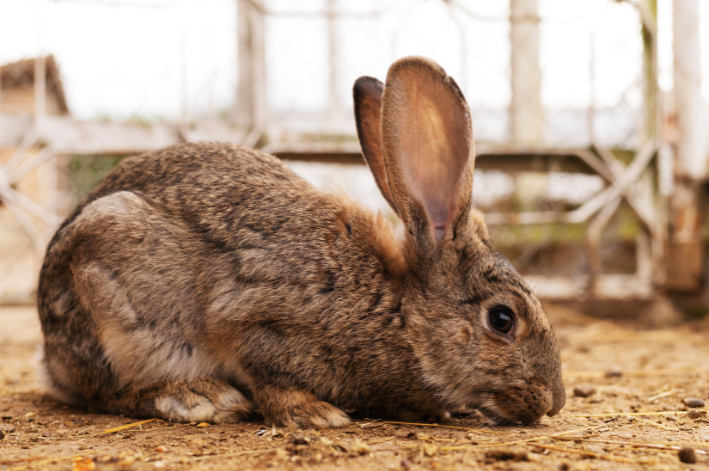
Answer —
559 399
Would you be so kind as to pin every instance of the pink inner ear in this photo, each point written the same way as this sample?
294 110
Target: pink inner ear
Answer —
437 151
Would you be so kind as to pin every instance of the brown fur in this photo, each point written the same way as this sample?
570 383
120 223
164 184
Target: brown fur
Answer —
204 280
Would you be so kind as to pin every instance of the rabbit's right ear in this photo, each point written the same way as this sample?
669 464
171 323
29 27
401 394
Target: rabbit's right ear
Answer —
428 148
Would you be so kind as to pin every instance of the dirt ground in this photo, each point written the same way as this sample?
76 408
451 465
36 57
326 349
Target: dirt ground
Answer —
644 373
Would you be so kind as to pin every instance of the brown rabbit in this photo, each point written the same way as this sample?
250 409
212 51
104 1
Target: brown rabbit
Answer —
203 281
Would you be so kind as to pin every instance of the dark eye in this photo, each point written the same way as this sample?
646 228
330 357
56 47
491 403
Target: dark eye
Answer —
501 319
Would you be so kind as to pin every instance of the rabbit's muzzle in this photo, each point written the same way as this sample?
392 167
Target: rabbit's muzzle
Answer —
526 403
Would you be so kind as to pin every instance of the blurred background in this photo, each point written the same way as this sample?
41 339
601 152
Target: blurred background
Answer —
590 119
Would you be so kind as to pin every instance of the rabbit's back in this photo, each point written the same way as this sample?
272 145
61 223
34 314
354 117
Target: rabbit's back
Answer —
207 185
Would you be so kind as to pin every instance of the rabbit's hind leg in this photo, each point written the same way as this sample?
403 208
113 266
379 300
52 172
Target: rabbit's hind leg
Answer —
192 400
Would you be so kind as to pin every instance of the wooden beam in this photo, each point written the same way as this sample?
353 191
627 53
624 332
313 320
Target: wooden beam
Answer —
73 136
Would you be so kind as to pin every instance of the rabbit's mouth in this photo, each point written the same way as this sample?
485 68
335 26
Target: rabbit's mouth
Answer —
509 410
493 413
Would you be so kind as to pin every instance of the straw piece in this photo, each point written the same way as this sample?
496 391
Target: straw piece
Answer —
636 373
595 455
19 460
450 427
632 414
653 446
517 442
661 395
124 427
654 424
382 440
240 453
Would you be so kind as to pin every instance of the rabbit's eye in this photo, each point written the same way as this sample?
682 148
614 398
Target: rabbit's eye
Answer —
501 319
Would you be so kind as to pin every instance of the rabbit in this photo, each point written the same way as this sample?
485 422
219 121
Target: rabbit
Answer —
209 282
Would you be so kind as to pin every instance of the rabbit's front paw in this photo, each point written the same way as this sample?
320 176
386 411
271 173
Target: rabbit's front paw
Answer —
319 414
299 409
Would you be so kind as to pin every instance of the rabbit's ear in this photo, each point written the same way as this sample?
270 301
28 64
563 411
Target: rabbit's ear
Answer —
427 139
368 113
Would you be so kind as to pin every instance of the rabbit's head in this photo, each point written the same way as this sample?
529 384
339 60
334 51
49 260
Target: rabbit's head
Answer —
479 333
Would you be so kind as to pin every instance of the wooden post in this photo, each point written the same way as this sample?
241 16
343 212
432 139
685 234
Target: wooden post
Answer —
333 57
649 130
40 90
691 152
685 255
526 112
249 110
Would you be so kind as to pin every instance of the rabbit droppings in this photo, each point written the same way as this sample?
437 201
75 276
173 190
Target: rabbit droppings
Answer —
204 282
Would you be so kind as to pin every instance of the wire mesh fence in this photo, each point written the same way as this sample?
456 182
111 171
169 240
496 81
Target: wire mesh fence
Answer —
173 69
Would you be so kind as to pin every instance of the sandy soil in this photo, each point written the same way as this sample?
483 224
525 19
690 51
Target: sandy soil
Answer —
646 373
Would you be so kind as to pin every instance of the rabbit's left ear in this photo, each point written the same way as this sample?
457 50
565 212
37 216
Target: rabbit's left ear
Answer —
368 116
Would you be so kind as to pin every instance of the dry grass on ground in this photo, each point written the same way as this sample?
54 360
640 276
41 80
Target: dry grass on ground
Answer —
635 419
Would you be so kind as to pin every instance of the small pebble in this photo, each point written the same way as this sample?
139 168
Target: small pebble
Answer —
83 465
507 455
535 457
30 414
361 448
687 455
584 390
693 402
695 414
300 438
202 425
126 462
614 373
161 449
429 449
595 449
